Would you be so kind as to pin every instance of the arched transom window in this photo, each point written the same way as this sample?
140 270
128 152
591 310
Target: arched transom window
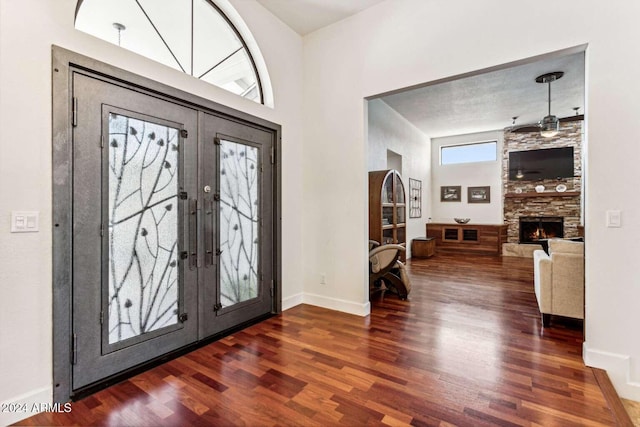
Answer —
193 36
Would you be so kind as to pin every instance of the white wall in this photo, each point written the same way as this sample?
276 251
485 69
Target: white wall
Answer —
394 160
399 43
28 28
466 175
388 130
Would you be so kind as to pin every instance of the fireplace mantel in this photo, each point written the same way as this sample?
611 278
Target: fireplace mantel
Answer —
543 194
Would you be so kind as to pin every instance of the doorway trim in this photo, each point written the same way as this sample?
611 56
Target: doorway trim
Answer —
64 63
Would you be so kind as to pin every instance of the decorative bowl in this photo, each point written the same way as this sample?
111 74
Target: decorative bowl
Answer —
462 220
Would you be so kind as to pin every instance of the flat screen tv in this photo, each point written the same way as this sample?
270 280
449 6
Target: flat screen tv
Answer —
532 165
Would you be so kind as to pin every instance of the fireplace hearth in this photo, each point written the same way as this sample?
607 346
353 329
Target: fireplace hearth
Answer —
534 229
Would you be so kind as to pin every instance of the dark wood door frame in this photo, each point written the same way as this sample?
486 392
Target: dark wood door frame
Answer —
64 64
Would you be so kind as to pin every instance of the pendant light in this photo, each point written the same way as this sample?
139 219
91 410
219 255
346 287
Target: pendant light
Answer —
550 125
119 28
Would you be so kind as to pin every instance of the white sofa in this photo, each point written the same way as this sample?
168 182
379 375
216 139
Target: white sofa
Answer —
559 279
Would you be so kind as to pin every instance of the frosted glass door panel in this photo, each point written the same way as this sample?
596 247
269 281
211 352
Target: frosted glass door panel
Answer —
239 220
143 227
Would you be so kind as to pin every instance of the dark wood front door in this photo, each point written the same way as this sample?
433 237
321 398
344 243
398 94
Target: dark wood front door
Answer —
172 229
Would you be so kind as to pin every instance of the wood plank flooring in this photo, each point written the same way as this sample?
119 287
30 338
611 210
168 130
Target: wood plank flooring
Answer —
466 349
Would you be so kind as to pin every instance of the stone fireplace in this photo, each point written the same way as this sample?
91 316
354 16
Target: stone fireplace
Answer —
522 201
534 229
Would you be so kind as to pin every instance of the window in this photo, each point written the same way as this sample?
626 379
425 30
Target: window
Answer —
193 36
469 153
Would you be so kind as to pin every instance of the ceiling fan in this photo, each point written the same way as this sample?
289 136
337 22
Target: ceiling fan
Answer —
550 124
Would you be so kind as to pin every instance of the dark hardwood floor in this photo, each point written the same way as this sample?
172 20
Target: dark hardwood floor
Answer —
467 349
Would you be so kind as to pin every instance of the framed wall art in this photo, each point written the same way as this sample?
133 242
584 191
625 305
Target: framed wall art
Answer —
415 198
450 193
479 194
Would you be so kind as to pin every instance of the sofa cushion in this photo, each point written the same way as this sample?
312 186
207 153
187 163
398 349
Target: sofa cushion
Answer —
566 246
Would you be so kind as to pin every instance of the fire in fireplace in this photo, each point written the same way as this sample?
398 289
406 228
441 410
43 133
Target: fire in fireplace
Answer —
536 228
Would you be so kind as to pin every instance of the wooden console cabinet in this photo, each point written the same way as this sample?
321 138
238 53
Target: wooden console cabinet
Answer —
483 239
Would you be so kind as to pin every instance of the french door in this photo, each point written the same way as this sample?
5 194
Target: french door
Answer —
172 226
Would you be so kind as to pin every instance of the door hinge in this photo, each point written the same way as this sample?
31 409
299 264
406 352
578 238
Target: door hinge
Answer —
101 230
184 133
101 141
102 317
273 155
183 317
74 111
74 350
217 307
184 195
217 141
271 287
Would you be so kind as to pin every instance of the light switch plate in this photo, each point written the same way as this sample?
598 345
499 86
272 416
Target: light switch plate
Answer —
614 219
25 221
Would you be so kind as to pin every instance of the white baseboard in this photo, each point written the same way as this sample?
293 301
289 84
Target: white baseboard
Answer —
338 304
618 367
25 405
292 301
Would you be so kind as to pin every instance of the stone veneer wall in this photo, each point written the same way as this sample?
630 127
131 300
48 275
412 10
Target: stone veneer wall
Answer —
568 207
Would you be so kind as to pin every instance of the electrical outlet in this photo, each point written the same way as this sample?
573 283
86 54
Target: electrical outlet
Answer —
323 279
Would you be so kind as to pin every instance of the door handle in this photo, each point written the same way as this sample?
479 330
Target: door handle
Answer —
193 236
208 233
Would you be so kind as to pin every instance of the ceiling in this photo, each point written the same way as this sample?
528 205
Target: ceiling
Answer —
306 16
482 102
488 101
